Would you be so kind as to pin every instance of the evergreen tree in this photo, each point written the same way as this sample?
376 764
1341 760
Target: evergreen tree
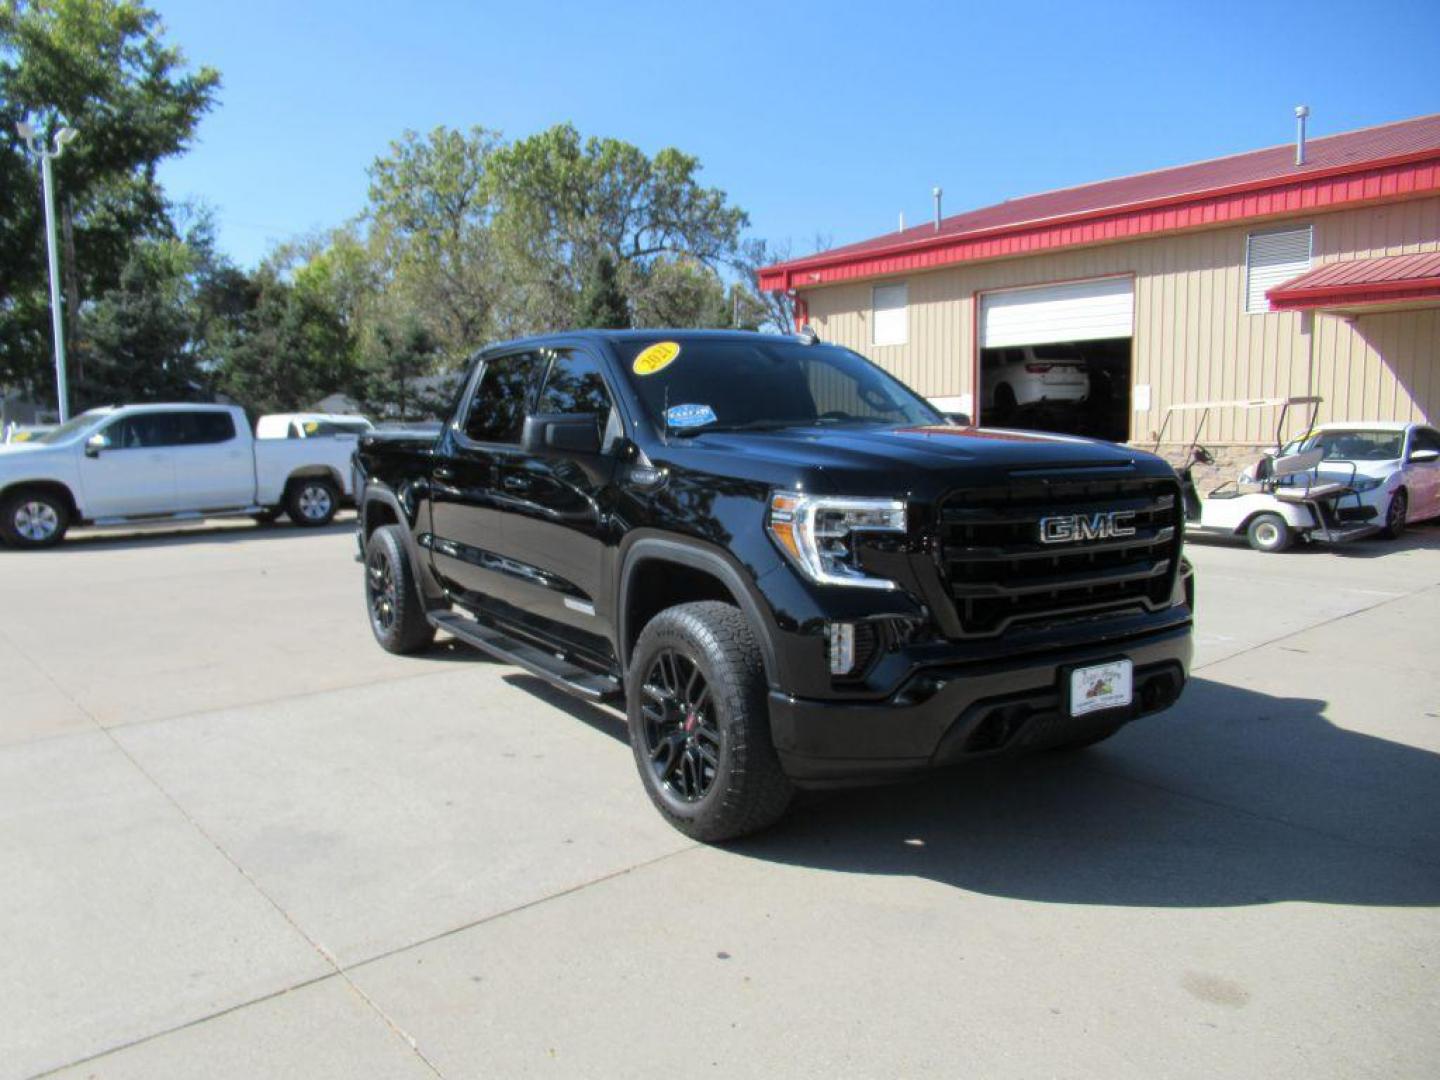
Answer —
602 304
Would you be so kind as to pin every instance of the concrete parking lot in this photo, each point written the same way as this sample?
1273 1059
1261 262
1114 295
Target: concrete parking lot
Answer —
238 840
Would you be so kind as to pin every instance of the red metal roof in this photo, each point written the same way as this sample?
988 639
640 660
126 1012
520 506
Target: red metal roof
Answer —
1224 190
1358 282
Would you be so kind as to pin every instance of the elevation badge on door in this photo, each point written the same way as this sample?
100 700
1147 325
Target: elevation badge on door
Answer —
1104 686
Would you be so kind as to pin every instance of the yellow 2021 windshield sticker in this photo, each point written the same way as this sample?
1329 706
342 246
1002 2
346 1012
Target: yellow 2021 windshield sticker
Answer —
655 358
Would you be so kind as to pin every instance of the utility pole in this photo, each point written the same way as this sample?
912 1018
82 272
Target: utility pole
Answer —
57 320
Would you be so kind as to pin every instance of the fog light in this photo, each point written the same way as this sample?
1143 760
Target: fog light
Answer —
842 647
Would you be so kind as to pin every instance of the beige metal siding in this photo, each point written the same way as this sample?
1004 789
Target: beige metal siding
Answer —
1193 340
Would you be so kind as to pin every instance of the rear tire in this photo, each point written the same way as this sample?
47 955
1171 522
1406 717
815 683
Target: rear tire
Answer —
1005 399
700 723
397 617
33 519
1396 515
311 501
1269 533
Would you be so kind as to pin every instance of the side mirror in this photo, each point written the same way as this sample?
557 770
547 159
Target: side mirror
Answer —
575 433
1424 455
97 442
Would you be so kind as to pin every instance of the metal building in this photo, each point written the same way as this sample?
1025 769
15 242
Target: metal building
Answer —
1307 268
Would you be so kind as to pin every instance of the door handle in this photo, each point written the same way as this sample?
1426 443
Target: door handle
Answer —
443 472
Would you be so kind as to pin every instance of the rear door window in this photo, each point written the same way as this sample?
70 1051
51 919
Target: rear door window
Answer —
497 406
205 428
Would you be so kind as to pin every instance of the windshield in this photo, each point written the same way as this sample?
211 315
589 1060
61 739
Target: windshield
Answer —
1351 445
765 382
71 427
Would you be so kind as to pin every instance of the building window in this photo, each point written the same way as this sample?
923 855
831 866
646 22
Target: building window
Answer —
890 315
1273 258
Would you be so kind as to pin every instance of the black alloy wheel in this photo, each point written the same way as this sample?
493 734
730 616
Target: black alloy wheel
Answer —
380 591
392 599
682 738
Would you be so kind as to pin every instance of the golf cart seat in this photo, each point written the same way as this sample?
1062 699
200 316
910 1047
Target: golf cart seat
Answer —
1290 464
1298 493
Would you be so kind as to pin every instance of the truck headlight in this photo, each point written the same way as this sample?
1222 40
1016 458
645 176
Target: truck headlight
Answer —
815 531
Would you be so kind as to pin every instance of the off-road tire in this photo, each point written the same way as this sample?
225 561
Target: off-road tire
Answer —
1396 513
392 601
33 519
1269 533
749 791
311 501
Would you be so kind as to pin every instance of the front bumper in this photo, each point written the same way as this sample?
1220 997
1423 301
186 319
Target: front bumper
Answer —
947 714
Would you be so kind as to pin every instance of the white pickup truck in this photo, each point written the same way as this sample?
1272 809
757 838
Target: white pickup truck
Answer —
135 464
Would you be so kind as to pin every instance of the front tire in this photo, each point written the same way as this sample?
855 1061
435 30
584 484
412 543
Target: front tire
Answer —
397 617
1269 533
700 724
1396 515
33 519
312 501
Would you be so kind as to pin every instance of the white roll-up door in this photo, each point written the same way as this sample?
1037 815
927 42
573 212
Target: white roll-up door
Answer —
1079 311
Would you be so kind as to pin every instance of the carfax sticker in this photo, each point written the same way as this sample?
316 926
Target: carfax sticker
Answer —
655 358
683 416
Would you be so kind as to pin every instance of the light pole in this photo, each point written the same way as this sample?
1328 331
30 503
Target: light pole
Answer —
46 156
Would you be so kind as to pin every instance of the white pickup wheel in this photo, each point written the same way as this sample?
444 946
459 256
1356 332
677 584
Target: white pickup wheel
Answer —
312 501
33 519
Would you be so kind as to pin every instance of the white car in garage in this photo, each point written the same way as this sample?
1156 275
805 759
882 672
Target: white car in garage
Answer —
142 464
1031 374
1395 466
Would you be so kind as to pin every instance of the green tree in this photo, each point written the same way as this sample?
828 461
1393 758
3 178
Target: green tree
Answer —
563 201
291 351
142 331
430 218
102 67
602 304
681 292
398 363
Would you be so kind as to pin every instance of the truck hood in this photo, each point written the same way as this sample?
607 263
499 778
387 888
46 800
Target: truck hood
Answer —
896 460
14 451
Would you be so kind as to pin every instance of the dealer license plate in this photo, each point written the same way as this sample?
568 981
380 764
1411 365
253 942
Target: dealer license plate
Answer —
1104 686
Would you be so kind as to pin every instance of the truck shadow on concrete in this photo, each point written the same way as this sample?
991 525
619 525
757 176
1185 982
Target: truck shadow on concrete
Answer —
1232 798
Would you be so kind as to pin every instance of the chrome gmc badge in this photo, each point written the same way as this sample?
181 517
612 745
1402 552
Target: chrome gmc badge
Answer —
1068 528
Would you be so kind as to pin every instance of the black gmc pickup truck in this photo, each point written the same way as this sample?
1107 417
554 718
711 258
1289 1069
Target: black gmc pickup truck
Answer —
789 568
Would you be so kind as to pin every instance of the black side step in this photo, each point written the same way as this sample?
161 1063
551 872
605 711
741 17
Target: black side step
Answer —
553 669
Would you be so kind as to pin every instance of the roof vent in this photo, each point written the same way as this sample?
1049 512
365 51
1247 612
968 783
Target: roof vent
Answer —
1301 113
937 193
902 220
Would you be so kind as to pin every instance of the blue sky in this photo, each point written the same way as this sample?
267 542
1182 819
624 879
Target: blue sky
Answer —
816 118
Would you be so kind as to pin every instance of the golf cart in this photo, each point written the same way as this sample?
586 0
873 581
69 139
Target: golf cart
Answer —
1278 499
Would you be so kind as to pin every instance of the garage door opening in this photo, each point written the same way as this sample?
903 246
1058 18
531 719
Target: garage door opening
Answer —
1058 358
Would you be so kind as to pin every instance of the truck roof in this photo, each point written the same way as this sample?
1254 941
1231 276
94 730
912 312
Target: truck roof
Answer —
615 336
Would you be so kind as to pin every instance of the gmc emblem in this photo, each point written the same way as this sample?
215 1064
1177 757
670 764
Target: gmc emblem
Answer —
1068 528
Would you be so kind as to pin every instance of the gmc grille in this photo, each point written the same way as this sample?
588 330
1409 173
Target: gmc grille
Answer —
1000 575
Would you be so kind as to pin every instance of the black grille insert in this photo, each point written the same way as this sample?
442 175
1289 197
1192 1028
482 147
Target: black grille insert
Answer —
1000 574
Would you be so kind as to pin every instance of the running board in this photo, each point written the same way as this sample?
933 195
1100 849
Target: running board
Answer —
175 517
554 669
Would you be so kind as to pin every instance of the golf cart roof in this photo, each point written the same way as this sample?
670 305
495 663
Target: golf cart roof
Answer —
1248 403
